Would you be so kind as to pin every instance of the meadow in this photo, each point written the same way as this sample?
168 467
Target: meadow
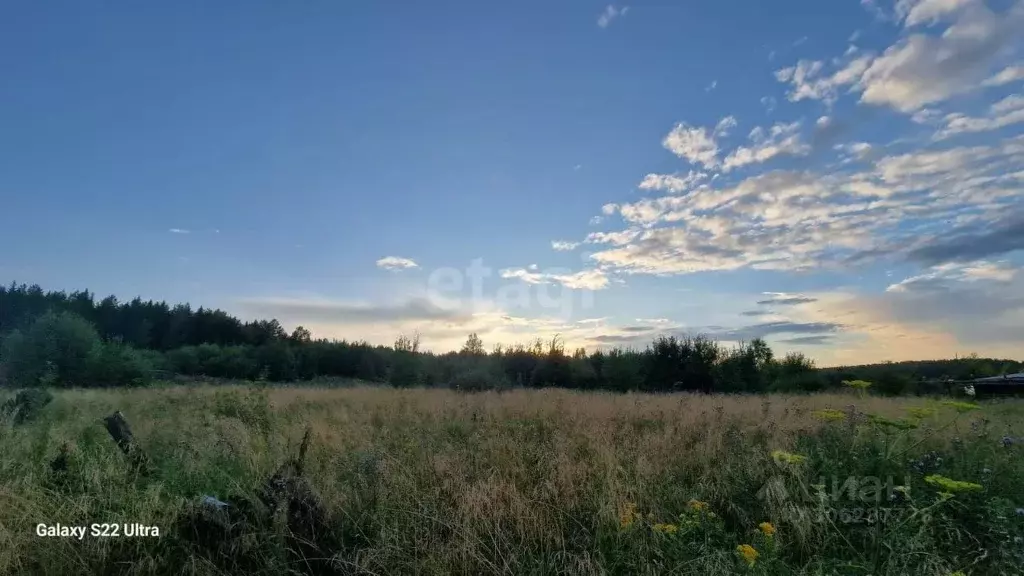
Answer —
550 481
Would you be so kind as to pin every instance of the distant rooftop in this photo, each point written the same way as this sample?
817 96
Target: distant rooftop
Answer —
1018 377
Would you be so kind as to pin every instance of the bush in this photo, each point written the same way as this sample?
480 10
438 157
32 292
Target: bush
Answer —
56 349
115 364
25 405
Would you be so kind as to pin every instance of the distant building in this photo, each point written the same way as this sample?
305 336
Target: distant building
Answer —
997 385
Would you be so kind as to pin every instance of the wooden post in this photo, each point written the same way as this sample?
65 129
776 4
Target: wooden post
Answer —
119 430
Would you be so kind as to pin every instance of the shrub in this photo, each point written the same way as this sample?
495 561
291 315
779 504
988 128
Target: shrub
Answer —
56 349
115 364
26 405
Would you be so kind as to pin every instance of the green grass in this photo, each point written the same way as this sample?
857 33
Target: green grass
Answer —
525 482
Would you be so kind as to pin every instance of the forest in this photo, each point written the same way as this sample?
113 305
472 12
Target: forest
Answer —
55 338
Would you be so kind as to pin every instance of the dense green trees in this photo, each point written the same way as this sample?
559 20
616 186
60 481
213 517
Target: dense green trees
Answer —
55 338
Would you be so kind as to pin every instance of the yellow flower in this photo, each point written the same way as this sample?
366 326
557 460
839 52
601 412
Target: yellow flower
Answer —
921 413
628 515
766 528
829 414
960 406
787 457
748 553
665 528
697 505
950 485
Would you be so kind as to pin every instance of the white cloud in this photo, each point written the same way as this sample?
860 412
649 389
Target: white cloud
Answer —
914 12
610 13
562 245
855 150
592 279
808 84
926 116
179 231
782 139
769 104
1007 75
800 220
875 10
921 69
395 263
694 145
1008 111
672 182
712 86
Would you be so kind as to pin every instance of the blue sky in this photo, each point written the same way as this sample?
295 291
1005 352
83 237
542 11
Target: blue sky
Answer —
622 170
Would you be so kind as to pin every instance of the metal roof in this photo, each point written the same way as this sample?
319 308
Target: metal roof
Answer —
1014 378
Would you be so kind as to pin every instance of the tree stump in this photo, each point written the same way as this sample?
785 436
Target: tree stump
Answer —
119 430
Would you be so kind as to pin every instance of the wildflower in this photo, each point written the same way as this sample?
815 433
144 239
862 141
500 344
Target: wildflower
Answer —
787 457
665 528
829 414
960 406
628 515
697 505
748 553
921 413
766 528
950 485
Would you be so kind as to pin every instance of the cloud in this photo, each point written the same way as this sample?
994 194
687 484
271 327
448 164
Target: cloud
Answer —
304 310
855 150
179 231
712 86
808 84
783 299
563 245
946 311
974 241
1007 75
698 145
592 279
920 69
609 14
875 10
769 104
756 313
809 340
395 263
1008 111
914 12
800 41
673 183
766 329
782 139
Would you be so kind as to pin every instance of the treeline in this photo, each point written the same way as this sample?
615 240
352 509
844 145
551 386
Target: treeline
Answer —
61 339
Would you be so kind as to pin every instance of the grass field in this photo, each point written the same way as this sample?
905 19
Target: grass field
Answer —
524 482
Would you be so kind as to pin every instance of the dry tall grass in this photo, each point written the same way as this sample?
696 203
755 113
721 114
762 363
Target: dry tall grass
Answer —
437 482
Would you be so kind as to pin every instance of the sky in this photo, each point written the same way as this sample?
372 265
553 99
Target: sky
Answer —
844 179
